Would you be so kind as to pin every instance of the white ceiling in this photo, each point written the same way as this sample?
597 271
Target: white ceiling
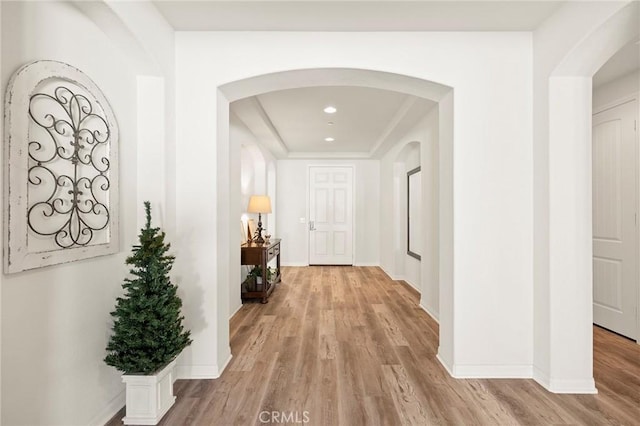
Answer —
626 61
328 15
292 123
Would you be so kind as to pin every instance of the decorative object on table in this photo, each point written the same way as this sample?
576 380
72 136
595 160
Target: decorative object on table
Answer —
249 284
267 238
256 272
251 228
148 333
62 168
243 231
272 274
259 204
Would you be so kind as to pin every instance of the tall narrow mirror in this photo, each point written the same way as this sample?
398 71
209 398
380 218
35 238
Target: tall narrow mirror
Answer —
414 212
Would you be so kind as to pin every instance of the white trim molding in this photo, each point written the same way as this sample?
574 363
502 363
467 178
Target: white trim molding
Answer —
236 311
564 386
444 364
615 103
431 314
524 371
457 371
191 372
107 413
390 275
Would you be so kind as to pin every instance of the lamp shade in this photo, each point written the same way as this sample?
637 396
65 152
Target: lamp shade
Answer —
259 204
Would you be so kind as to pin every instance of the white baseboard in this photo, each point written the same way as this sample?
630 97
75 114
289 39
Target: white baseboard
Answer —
366 264
110 410
431 314
487 371
236 311
294 264
444 364
188 372
391 276
587 386
541 378
412 285
523 371
224 365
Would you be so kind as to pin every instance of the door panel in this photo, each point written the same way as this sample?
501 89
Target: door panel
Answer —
331 213
607 185
320 243
608 271
340 206
615 263
321 211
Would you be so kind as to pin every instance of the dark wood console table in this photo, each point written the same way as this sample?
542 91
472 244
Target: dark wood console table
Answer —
260 255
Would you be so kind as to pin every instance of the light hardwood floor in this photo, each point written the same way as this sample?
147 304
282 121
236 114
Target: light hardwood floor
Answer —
348 346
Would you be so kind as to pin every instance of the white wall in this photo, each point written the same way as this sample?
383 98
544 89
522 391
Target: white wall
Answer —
492 157
616 90
1 221
422 274
293 184
149 39
255 162
55 320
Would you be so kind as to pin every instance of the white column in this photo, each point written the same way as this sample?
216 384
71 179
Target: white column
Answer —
570 244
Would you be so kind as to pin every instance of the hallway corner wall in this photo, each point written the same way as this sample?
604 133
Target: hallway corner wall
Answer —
56 320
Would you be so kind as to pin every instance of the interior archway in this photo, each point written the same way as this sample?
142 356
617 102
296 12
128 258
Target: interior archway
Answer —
228 169
570 285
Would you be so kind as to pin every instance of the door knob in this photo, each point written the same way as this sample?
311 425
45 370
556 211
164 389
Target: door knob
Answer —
312 225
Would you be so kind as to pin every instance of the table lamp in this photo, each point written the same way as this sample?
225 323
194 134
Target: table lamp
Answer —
259 204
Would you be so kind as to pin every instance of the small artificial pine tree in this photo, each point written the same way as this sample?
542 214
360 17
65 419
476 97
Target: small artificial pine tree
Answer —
147 330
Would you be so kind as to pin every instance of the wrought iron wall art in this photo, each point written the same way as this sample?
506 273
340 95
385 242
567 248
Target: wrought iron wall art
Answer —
61 194
76 136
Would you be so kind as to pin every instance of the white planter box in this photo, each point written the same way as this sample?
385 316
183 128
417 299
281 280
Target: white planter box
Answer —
149 397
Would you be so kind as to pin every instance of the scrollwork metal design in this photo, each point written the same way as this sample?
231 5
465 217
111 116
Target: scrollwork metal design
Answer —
68 168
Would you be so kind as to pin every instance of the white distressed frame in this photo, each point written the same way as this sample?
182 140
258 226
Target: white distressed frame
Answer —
22 84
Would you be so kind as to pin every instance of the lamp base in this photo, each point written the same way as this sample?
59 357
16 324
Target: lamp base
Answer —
258 238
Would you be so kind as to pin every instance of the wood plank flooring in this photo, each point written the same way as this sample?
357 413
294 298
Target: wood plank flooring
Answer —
348 346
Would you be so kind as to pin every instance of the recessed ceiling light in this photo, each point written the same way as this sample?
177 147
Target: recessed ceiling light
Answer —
330 109
329 139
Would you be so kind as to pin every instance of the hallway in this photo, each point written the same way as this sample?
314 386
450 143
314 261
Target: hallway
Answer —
348 346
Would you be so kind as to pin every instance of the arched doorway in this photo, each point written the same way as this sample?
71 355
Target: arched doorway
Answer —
228 166
563 358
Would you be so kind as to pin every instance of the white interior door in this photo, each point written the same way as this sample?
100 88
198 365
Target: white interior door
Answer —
615 276
330 215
